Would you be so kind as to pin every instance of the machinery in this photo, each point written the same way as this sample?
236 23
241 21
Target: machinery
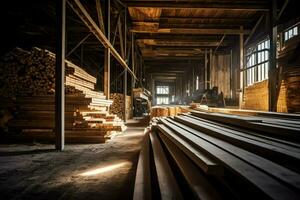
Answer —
141 102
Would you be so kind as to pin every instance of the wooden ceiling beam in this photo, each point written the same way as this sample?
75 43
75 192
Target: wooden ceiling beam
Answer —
222 5
189 31
182 37
180 43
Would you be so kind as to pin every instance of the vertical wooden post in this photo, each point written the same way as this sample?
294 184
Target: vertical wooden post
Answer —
205 70
241 67
209 84
133 66
231 75
125 72
273 49
133 56
107 51
60 75
193 86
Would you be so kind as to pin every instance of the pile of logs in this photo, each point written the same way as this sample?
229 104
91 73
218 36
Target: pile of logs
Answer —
117 106
86 110
220 156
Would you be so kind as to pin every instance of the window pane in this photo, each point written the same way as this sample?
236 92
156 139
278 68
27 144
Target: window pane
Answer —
267 70
259 72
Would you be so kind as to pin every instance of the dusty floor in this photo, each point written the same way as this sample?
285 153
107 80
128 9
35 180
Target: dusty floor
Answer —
96 171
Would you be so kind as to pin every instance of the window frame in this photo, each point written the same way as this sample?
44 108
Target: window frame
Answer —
257 62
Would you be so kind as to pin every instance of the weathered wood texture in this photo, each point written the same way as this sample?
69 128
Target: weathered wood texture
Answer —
217 156
256 95
117 106
220 74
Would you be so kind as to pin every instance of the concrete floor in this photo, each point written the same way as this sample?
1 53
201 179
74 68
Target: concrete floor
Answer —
96 171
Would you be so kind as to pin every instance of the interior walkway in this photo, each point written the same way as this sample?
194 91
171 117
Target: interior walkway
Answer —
95 171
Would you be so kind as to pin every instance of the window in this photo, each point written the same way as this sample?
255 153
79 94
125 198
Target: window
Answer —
290 33
162 100
162 90
173 98
197 83
257 65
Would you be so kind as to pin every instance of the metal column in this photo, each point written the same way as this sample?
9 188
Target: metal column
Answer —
60 75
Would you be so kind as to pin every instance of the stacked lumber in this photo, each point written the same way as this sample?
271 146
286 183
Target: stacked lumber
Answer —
292 79
202 156
86 110
117 107
256 96
165 111
282 98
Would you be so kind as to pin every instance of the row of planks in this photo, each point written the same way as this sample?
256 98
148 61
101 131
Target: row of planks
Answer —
219 156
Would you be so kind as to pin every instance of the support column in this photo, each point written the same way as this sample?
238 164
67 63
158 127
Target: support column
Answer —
241 68
133 65
107 51
209 71
60 75
133 57
205 70
125 72
272 68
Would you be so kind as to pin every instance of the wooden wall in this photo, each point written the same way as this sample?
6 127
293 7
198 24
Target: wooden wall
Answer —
220 74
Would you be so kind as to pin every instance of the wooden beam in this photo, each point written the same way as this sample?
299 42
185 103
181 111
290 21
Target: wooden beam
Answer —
100 15
78 44
254 29
124 57
185 43
205 70
241 42
232 5
211 60
60 75
106 78
219 44
82 13
189 31
286 2
171 52
272 81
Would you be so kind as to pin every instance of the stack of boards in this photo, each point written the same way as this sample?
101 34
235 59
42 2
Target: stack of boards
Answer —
220 156
117 106
165 111
87 119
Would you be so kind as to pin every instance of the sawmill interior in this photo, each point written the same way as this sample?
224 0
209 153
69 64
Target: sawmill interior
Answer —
150 99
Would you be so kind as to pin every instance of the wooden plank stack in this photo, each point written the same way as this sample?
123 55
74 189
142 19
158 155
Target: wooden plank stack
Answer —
86 110
292 79
117 107
214 156
165 111
256 96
